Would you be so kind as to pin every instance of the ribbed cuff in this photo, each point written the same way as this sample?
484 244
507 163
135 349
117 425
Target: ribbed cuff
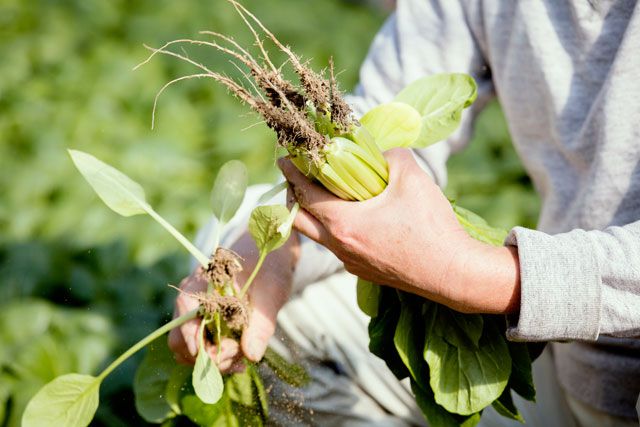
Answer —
560 287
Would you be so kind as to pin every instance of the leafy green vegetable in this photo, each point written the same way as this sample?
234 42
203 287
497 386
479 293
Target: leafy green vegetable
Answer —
478 228
151 381
504 406
436 414
394 124
382 330
265 227
272 192
464 378
439 99
260 391
124 196
521 380
368 294
69 400
207 380
228 190
270 226
409 340
176 386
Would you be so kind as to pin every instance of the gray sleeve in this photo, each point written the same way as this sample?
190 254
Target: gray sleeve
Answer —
577 285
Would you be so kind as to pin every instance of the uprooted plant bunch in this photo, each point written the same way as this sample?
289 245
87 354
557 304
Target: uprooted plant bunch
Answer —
201 393
458 364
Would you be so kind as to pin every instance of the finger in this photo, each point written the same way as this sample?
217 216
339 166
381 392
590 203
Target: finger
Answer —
291 198
183 340
308 225
311 196
226 355
262 325
179 347
188 330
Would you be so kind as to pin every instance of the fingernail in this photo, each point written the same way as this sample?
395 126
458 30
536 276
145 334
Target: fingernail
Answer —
191 346
256 350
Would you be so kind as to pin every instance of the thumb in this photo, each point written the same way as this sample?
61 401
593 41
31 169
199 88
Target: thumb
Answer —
400 160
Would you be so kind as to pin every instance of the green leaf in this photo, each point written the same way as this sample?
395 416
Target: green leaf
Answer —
270 226
394 124
118 191
5 392
460 329
368 294
409 340
150 383
272 192
504 406
260 391
228 190
382 330
203 414
177 385
436 415
125 196
70 400
439 99
207 381
465 379
291 373
470 324
478 228
239 388
521 380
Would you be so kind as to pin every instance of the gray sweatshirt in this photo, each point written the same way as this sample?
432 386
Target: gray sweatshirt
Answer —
567 74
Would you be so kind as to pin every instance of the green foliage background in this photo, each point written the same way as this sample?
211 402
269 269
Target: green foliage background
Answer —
66 81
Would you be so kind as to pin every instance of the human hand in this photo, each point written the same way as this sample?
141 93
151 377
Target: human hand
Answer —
268 293
408 237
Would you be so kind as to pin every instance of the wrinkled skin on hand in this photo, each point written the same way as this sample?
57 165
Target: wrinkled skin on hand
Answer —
409 237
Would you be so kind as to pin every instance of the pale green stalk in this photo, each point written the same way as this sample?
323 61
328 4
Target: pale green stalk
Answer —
245 288
336 161
148 339
202 259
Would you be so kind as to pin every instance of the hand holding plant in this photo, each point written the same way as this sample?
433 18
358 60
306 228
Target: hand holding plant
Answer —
418 246
268 294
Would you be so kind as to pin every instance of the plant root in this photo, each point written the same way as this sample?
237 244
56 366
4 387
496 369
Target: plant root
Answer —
223 267
283 105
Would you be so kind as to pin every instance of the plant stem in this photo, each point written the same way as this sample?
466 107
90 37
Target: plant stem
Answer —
216 236
245 288
202 259
146 340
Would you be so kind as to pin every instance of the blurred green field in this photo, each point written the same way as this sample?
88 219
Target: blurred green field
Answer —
66 81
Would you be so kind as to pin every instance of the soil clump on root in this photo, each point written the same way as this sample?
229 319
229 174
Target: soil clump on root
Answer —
223 267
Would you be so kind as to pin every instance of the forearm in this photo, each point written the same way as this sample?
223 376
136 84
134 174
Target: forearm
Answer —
469 276
487 280
579 284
